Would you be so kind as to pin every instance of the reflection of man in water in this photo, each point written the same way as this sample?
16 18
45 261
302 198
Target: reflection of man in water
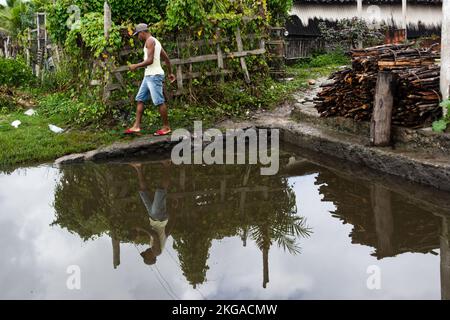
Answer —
157 210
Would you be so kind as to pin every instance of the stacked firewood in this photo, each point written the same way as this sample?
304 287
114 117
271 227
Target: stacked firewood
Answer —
351 94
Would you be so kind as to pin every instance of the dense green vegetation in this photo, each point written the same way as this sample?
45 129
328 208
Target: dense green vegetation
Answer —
64 97
15 16
14 72
103 200
443 124
90 125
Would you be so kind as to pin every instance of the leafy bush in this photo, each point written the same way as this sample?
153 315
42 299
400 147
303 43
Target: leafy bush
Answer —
60 79
134 11
444 123
348 33
279 10
14 72
74 112
91 32
337 57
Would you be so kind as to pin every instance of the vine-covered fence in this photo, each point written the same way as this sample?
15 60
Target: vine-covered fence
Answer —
220 56
184 66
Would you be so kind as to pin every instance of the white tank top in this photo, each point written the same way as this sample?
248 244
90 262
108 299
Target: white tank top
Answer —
155 68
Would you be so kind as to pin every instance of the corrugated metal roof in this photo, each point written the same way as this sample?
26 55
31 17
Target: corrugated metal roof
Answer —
296 28
391 14
370 1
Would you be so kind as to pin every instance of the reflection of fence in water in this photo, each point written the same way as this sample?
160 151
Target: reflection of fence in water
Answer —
207 203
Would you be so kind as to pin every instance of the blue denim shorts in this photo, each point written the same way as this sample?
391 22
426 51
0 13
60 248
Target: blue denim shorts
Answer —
156 209
152 86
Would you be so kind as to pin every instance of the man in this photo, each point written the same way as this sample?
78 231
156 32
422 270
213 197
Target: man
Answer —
161 223
152 85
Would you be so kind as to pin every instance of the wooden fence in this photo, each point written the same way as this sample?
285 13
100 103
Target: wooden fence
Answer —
184 66
299 48
8 47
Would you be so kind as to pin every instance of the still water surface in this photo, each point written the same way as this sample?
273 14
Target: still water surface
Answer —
151 230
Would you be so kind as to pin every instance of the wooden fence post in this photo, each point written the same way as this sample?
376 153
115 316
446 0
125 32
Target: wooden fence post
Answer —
107 23
220 62
107 19
384 223
27 49
445 259
404 17
180 78
445 52
241 49
359 9
380 129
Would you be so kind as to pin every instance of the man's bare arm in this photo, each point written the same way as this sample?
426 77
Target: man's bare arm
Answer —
166 59
150 45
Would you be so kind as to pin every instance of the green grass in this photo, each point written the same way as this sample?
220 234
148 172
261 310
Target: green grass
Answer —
33 141
335 58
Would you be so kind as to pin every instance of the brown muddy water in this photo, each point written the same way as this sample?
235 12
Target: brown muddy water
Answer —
320 229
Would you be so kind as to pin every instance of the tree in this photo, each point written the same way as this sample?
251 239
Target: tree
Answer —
15 17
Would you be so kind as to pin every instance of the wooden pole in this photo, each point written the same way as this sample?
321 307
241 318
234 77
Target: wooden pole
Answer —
384 222
220 62
28 47
241 49
404 17
107 19
359 7
445 51
107 23
380 129
445 259
38 39
116 251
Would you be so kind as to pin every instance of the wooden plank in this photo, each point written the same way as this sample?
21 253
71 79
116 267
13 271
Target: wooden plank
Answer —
113 87
204 58
240 47
380 129
119 78
119 103
208 57
215 41
194 75
180 78
121 69
220 61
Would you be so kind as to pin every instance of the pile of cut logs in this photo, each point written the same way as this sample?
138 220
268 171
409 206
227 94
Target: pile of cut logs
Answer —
416 102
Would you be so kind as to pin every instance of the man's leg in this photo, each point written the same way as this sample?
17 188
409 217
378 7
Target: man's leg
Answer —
139 113
164 116
157 93
142 96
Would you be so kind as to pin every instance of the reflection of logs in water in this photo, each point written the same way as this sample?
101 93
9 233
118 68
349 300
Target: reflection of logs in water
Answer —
384 224
381 218
445 259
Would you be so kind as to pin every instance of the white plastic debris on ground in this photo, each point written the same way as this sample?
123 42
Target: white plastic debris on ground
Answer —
30 112
55 129
16 123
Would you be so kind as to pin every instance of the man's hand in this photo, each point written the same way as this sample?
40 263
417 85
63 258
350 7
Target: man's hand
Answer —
172 78
133 67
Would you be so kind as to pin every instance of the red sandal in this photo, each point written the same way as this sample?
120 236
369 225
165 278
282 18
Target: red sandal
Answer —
129 131
162 132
